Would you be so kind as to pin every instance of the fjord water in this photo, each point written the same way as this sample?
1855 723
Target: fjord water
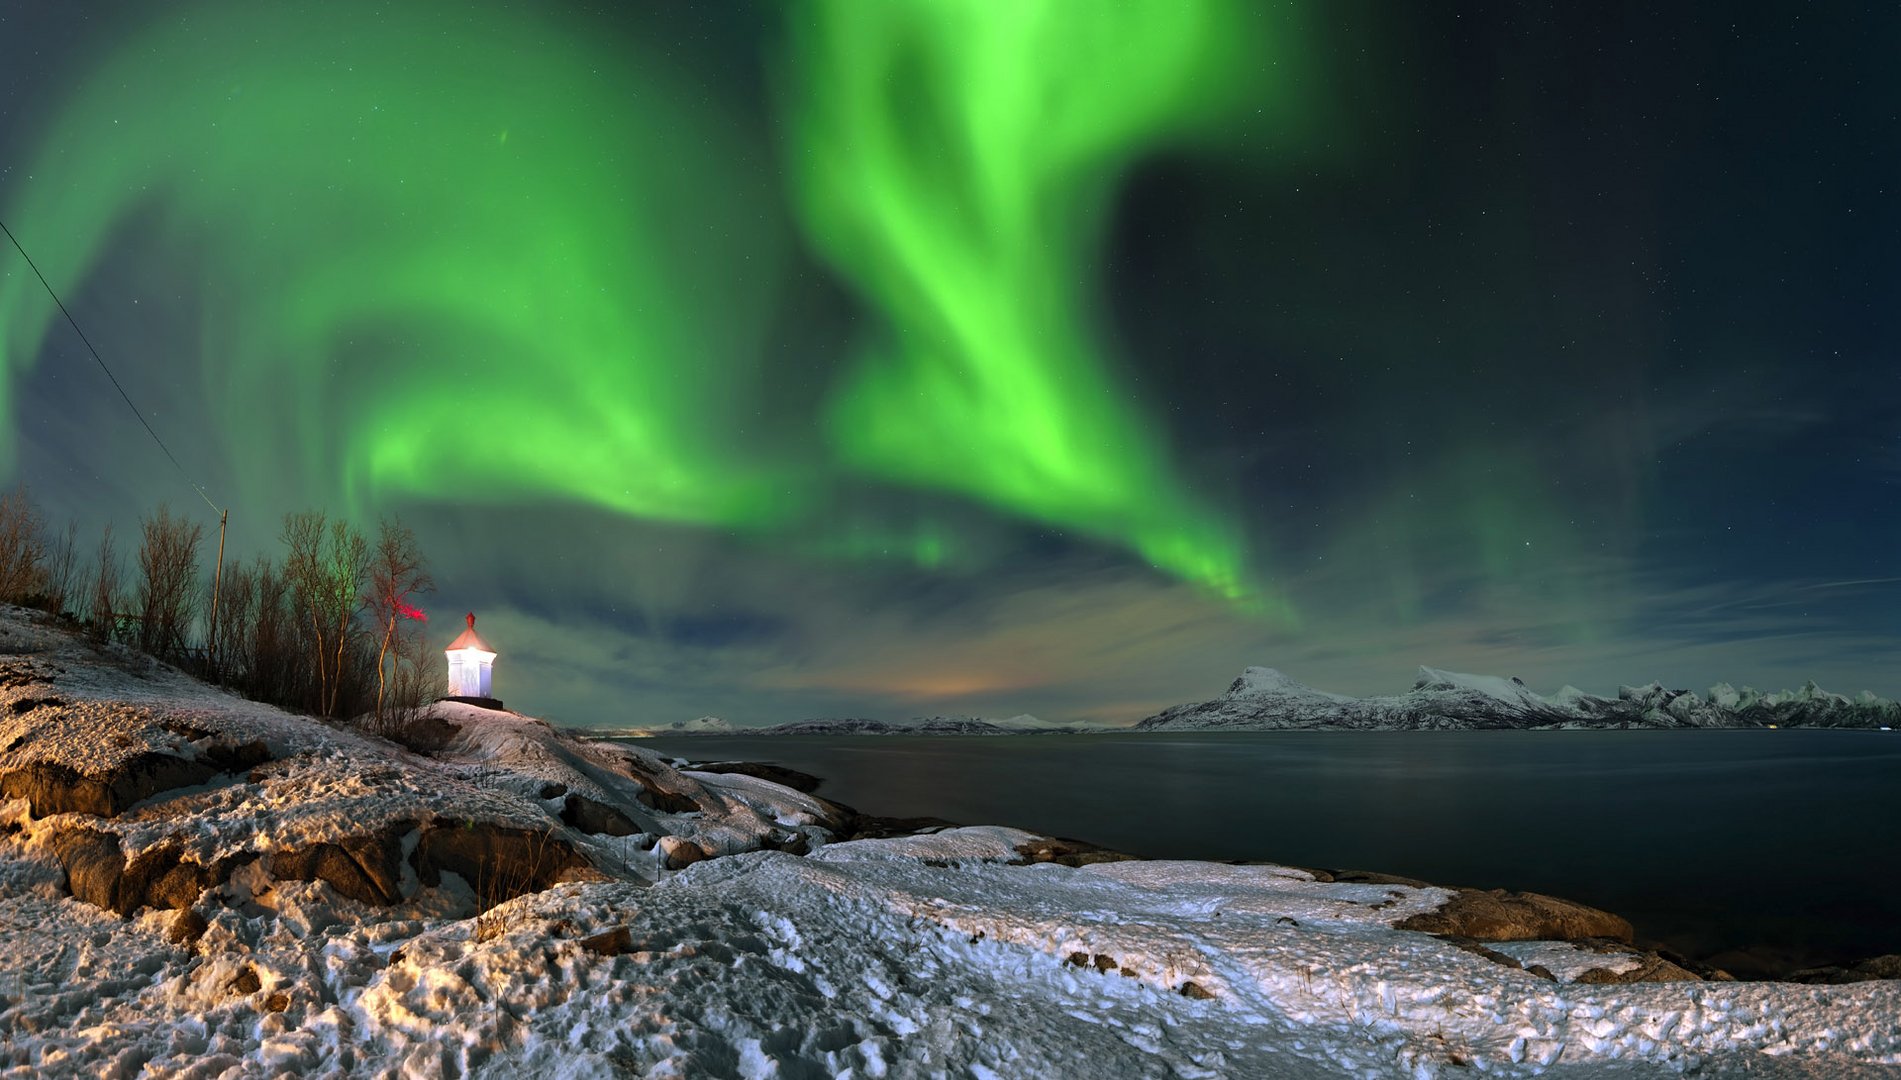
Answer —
1786 843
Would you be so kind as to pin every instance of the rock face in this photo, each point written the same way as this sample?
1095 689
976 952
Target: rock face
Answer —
1265 699
54 788
366 868
98 872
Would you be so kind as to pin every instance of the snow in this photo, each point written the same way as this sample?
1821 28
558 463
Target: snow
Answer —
936 954
1511 691
775 802
1266 681
868 962
1565 961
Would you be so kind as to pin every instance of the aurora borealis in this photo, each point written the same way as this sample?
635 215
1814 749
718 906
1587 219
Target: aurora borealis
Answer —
944 356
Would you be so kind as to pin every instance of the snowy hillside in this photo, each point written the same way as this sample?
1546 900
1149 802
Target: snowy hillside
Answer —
1265 699
195 885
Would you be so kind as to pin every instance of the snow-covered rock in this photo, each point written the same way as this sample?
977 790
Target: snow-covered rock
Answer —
149 788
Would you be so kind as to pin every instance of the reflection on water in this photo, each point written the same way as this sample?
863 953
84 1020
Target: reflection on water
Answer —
1704 839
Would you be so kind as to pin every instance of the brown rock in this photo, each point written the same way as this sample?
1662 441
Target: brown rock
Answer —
1067 852
366 868
1497 915
247 982
95 868
1195 991
98 873
659 798
678 853
610 942
594 816
165 880
187 927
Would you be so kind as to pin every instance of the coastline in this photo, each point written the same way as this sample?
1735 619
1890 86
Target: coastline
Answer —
1498 912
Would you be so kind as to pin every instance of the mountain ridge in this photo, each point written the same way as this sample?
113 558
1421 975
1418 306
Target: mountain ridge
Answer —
1265 699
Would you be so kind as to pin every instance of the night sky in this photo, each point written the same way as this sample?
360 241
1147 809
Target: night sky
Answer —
969 357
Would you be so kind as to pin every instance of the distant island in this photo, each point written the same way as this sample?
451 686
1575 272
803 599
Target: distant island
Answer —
1263 699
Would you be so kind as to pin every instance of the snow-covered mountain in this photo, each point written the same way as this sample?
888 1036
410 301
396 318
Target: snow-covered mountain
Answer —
1265 699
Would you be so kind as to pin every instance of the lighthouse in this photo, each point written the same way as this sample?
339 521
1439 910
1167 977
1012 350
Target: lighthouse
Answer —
470 663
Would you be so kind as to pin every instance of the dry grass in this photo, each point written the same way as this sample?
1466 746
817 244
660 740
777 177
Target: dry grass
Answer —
501 883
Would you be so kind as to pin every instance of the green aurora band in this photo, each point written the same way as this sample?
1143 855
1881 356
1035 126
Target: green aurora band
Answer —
435 262
404 224
957 161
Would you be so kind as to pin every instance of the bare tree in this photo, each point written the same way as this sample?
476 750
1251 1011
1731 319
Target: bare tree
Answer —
325 571
397 579
231 634
22 547
104 590
168 581
271 670
62 573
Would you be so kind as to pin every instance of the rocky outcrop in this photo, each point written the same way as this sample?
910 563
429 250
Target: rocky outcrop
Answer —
98 872
594 816
52 788
500 862
1068 852
1497 915
366 868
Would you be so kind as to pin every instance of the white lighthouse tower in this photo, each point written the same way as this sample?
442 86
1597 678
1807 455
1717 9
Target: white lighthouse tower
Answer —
470 662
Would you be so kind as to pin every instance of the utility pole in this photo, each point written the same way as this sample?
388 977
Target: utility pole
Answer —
217 588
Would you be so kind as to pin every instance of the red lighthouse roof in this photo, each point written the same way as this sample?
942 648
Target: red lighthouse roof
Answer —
468 640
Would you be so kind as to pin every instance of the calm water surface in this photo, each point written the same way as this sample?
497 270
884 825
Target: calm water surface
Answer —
1785 841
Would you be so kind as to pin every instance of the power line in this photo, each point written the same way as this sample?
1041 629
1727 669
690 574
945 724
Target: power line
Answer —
102 367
